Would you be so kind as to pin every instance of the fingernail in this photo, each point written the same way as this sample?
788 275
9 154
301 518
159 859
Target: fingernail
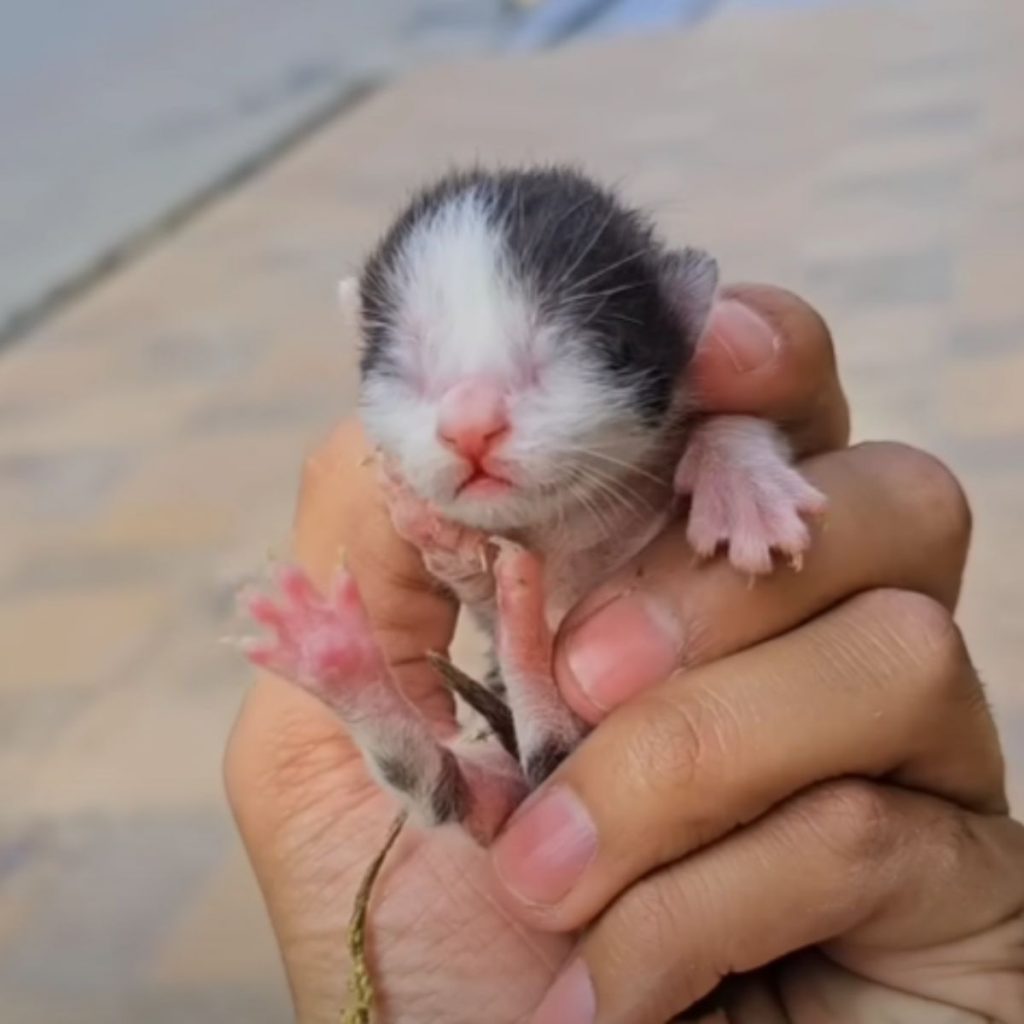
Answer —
546 847
570 1000
749 341
627 646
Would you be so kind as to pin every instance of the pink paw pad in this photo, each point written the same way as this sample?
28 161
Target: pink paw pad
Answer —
324 644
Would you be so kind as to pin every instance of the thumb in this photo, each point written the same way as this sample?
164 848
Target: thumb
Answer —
342 519
768 353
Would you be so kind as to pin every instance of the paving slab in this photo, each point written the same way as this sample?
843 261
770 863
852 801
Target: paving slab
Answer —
116 114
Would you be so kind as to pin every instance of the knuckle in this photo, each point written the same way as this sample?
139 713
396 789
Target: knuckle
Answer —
642 934
945 513
649 901
950 839
855 820
921 619
671 747
669 744
702 630
921 630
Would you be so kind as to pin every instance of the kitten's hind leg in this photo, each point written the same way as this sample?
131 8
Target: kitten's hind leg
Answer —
325 645
546 728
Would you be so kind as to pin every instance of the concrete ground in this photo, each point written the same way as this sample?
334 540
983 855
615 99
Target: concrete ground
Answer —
115 112
870 156
117 115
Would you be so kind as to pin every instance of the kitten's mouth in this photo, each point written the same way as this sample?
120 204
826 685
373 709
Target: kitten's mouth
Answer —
479 483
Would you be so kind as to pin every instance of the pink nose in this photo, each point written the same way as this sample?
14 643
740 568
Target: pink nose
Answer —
472 416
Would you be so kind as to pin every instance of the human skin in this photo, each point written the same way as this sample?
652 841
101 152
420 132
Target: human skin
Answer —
807 764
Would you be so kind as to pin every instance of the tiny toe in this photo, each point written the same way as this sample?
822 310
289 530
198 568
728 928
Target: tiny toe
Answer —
298 587
788 533
260 652
266 611
517 571
703 537
687 472
811 501
794 489
345 596
750 554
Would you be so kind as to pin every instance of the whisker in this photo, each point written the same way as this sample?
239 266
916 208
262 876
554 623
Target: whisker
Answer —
614 266
612 490
586 502
593 453
625 496
585 251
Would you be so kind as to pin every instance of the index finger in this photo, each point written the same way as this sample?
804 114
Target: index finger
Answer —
342 519
768 353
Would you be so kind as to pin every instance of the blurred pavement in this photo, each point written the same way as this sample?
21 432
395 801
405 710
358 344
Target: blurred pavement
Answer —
118 116
870 157
113 113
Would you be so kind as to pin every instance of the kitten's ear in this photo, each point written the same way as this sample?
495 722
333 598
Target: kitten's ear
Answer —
349 303
689 278
348 296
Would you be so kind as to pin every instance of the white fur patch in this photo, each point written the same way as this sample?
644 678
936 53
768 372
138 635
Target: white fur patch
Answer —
460 306
462 312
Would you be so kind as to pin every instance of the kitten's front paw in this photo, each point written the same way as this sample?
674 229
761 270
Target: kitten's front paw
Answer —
454 554
745 495
322 643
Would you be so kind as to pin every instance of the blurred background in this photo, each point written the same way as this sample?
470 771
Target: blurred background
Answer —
182 182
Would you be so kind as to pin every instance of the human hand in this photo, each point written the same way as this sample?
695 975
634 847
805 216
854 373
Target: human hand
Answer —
442 948
814 802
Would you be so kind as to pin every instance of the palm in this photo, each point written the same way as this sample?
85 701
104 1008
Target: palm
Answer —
440 946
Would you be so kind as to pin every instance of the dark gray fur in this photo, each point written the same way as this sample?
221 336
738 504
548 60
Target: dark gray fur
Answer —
449 799
540 763
586 257
398 773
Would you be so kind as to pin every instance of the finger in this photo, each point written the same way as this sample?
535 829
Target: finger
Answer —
665 611
768 353
342 515
875 865
879 687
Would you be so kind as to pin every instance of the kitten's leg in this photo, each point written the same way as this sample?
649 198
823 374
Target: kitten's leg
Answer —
510 597
745 493
546 729
326 646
